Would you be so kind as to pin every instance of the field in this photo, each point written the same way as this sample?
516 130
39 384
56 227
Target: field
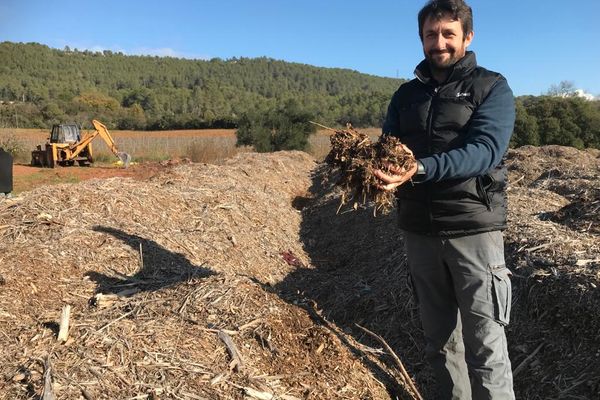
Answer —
208 145
239 280
149 148
144 146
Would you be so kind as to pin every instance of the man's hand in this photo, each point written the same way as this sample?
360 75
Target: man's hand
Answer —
397 177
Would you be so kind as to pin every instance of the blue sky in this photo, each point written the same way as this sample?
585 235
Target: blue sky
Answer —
534 43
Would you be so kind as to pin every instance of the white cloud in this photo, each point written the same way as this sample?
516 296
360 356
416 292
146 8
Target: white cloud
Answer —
161 52
578 93
137 51
154 51
100 49
582 93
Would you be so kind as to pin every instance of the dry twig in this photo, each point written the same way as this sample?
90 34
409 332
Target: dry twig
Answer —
48 393
236 359
63 333
406 377
527 360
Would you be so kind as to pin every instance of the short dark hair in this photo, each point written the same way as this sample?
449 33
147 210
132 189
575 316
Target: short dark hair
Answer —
457 9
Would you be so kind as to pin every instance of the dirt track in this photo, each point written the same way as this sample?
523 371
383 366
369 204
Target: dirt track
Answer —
158 270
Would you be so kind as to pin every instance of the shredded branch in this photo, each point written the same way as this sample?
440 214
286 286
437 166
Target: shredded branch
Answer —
354 158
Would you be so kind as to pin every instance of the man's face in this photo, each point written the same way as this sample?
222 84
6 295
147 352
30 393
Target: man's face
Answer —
444 42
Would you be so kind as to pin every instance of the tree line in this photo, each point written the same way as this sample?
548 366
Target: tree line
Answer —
564 120
47 85
40 86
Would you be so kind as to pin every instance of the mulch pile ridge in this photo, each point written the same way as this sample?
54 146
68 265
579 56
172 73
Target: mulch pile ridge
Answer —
242 281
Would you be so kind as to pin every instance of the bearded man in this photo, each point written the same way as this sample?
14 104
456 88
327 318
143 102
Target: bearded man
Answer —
457 118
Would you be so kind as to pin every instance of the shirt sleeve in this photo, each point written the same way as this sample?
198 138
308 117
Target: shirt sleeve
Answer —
488 136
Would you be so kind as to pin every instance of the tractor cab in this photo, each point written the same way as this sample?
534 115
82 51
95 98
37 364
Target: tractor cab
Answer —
65 133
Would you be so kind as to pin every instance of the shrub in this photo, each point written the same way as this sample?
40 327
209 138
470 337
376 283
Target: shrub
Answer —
282 128
11 144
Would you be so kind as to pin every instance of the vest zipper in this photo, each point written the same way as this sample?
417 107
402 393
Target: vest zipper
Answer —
429 140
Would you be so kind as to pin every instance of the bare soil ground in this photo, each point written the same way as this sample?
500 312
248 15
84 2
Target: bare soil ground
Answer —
239 281
26 177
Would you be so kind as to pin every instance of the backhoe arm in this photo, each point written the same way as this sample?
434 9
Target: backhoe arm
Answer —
103 132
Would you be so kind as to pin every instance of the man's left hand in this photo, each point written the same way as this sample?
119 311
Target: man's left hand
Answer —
396 176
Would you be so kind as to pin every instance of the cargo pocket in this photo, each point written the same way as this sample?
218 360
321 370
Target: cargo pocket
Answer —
501 293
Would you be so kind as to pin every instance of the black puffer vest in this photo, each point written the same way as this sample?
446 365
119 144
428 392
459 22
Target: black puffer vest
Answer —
435 119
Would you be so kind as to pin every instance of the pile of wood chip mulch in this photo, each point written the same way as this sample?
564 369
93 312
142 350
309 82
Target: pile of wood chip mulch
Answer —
241 281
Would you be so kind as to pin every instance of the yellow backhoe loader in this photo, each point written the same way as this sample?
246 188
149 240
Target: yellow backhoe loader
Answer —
67 146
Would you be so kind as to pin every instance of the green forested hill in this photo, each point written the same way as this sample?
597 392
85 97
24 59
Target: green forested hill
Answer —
40 86
46 85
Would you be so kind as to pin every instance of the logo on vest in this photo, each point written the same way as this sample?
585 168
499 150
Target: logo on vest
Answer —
463 94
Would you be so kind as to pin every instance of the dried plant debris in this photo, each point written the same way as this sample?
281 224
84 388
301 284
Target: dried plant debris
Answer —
354 157
157 271
165 277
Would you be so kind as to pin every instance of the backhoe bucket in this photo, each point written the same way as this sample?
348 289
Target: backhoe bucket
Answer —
125 158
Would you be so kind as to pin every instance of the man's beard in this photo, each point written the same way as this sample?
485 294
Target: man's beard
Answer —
445 64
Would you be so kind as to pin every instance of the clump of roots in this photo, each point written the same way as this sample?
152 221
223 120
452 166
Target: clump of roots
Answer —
354 157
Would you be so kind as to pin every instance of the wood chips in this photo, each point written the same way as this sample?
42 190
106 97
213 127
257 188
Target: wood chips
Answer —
240 281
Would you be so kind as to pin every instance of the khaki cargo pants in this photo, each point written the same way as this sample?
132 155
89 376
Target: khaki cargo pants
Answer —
463 290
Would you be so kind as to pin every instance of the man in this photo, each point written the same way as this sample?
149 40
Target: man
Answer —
457 118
